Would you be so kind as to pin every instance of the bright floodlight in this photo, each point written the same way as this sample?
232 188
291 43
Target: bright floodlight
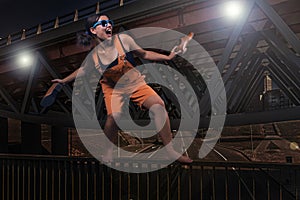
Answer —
294 146
233 9
25 60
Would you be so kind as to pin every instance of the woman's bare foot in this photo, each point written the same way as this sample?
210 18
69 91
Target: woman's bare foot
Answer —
184 159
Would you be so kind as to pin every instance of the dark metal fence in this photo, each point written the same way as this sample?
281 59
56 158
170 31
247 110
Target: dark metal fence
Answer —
61 178
79 14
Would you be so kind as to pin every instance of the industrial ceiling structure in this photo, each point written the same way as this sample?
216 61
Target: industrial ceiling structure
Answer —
257 55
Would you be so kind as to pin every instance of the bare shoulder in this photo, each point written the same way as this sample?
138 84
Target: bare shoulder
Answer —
127 41
125 37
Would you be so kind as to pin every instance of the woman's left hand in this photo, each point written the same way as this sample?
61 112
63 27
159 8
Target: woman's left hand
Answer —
174 52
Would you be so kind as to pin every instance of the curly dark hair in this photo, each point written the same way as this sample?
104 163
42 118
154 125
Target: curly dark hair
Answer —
85 38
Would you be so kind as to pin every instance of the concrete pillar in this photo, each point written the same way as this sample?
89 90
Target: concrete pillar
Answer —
31 138
3 135
59 141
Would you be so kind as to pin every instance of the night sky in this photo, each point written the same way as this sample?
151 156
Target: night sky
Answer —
19 14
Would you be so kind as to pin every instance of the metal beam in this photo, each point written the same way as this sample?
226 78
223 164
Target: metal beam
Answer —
283 28
62 106
42 40
9 100
281 82
242 84
54 74
239 99
250 93
231 119
30 83
246 54
263 117
67 89
239 84
34 105
51 119
235 35
284 72
281 49
131 11
142 9
246 49
227 52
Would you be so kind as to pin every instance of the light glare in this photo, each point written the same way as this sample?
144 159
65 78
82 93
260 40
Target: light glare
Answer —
233 9
25 60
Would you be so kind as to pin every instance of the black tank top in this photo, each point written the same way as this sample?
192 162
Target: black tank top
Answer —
129 57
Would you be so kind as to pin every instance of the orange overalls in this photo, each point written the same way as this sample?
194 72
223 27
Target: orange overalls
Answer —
123 80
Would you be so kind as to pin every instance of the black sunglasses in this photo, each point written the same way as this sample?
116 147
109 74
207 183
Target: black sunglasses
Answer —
103 23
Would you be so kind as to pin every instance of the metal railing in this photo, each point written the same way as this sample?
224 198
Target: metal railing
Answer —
61 178
103 6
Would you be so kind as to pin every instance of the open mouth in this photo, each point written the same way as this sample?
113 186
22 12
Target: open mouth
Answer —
108 31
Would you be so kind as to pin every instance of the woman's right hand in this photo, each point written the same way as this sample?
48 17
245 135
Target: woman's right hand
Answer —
57 80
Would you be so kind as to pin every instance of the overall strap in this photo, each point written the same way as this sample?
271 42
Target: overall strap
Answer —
119 46
96 60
